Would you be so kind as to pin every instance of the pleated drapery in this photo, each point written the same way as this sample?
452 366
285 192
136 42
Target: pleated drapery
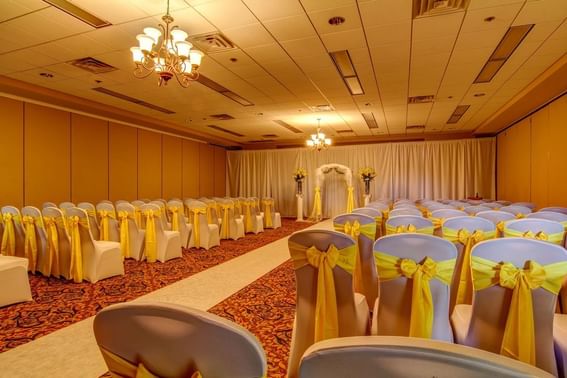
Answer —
434 169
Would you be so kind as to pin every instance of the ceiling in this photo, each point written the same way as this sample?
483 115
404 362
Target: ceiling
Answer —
283 64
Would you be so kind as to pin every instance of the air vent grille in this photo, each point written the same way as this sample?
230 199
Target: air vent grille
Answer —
370 120
415 127
261 141
79 13
212 42
288 126
132 100
322 108
344 131
92 65
427 8
269 136
458 113
218 128
223 91
421 99
222 117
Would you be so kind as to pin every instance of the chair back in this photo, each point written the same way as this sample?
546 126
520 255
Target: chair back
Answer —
492 205
116 203
93 220
106 201
35 238
106 213
269 210
57 261
137 203
304 333
176 212
398 311
529 205
78 225
555 209
518 211
66 205
442 206
459 205
48 204
534 228
212 214
145 200
203 342
503 202
496 216
13 238
408 223
493 305
379 206
550 215
363 357
473 210
405 211
361 228
128 229
162 206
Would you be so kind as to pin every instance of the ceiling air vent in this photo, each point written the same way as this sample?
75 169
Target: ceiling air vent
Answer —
269 136
370 120
415 127
212 42
92 65
421 99
223 91
261 141
458 113
132 100
225 130
288 126
78 13
322 108
222 117
426 8
344 131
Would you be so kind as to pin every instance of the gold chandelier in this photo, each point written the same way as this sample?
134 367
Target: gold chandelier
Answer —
318 141
173 56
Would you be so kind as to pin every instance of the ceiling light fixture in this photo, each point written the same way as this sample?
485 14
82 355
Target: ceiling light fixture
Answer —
172 56
318 141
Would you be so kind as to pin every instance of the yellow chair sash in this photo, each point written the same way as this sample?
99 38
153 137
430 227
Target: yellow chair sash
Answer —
407 229
468 240
50 264
174 210
268 203
138 216
248 225
355 229
556 238
500 229
8 247
385 217
151 236
105 216
437 222
350 199
225 227
76 270
518 341
196 225
422 307
123 217
30 241
317 212
326 313
210 207
124 368
92 214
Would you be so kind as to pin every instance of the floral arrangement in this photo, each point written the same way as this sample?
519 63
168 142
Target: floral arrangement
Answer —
367 174
299 174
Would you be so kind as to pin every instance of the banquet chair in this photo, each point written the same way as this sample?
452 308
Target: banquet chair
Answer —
439 216
93 221
550 215
106 201
474 209
405 211
232 227
131 236
13 239
529 205
465 233
503 202
178 221
35 243
518 211
492 205
203 234
97 259
507 315
459 205
442 206
533 228
145 200
499 218
560 340
212 214
118 202
48 204
555 209
57 259
106 213
272 218
14 280
170 340
408 223
159 244
362 229
165 223
402 357
253 222
137 203
374 213
415 274
347 314
66 205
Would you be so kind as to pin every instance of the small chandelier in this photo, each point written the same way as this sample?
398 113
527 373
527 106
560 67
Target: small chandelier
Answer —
171 57
318 141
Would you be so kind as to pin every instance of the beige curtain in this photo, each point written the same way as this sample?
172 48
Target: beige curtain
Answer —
439 169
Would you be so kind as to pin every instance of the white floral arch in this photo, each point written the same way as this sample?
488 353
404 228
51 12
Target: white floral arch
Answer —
320 173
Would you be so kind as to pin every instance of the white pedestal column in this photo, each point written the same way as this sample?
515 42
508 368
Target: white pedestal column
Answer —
367 199
299 207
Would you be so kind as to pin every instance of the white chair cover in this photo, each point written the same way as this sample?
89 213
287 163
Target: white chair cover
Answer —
203 235
168 243
14 280
134 246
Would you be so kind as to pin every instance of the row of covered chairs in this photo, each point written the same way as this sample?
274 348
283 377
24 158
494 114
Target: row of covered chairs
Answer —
415 277
211 346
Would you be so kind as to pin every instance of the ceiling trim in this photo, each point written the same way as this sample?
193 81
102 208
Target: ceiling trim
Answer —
31 93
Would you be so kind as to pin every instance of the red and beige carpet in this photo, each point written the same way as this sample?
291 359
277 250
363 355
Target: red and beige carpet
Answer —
58 303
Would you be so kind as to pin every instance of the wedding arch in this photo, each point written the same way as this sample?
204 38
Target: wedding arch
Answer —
320 173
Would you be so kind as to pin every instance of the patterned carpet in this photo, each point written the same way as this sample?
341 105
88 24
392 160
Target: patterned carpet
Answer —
266 308
59 303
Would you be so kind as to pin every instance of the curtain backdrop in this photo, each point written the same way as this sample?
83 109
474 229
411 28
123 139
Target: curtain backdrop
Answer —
435 170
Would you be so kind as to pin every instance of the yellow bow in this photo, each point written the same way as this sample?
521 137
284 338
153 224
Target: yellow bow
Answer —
317 212
468 240
105 216
500 228
437 222
123 216
520 216
151 236
8 247
50 264
268 203
76 270
422 307
556 238
409 228
225 227
519 334
326 313
196 225
30 242
174 210
350 199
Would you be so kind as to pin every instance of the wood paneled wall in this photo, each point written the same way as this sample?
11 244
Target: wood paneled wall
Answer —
54 155
531 158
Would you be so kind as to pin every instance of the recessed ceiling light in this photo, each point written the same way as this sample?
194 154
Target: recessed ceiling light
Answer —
233 60
450 97
489 19
479 94
337 20
46 74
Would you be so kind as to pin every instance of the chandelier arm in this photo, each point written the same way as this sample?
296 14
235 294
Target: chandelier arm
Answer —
142 72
